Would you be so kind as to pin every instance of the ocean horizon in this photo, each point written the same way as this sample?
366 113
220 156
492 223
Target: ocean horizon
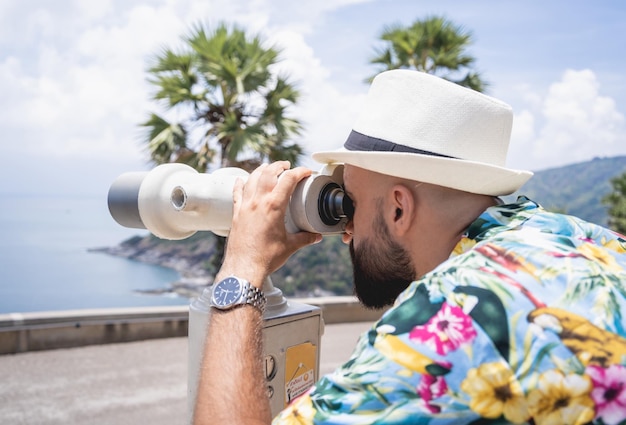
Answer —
46 265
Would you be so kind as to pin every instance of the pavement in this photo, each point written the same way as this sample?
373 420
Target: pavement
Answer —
141 382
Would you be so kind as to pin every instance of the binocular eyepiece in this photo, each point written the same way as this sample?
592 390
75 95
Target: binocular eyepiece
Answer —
334 204
174 201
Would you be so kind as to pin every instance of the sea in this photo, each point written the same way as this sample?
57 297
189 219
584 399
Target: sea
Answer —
46 263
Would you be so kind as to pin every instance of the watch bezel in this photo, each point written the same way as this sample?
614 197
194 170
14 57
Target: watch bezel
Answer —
215 302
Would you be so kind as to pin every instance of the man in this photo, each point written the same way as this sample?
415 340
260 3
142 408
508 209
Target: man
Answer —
501 313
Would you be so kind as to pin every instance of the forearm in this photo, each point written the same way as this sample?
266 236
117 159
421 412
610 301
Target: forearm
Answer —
232 387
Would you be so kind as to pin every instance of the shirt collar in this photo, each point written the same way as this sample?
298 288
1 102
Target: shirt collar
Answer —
494 220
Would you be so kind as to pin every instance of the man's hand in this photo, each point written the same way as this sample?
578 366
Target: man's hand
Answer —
258 243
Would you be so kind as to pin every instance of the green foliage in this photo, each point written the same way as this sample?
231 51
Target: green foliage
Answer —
324 267
616 201
433 45
575 189
232 107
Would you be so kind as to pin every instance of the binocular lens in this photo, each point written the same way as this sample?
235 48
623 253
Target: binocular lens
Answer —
334 204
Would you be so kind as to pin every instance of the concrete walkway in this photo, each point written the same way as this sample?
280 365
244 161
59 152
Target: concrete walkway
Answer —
119 384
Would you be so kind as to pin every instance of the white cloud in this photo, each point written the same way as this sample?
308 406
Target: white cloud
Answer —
81 96
327 113
73 78
93 11
302 15
82 91
573 122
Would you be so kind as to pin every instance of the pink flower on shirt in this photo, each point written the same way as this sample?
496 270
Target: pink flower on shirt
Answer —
609 392
430 388
445 331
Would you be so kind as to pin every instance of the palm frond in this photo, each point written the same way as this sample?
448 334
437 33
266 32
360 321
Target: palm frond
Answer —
165 139
433 45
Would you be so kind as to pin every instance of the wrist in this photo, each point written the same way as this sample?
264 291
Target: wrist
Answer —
248 272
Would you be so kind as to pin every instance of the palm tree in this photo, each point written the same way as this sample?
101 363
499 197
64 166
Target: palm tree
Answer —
433 45
231 108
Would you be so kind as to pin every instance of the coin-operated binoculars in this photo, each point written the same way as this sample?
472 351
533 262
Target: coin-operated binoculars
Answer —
174 201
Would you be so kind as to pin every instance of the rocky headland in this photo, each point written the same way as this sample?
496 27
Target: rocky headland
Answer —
319 270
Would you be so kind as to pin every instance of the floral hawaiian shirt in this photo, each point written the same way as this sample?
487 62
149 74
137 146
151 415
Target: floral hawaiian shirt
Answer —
523 324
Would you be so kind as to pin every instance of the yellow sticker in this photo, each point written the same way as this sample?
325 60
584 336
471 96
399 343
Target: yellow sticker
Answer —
300 363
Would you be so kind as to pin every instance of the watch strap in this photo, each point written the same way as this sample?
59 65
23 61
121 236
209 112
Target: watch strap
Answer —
253 296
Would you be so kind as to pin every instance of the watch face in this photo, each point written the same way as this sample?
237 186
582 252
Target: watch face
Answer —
227 291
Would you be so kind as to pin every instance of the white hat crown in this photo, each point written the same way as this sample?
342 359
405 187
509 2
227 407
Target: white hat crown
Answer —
434 115
421 127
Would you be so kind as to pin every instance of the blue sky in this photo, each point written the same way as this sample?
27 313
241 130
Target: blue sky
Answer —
73 84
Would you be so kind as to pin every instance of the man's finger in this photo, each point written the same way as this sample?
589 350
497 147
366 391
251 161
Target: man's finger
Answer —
253 179
237 195
289 179
269 177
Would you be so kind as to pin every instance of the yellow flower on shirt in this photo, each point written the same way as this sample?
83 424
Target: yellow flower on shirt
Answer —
465 244
597 253
495 392
616 245
562 399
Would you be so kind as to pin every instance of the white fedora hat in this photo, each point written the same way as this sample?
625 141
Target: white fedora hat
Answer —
420 127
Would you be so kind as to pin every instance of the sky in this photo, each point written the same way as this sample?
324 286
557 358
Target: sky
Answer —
74 89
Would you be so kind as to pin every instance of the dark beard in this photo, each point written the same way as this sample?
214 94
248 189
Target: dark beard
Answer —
382 269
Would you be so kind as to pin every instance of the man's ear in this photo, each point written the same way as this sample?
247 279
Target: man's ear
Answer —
403 209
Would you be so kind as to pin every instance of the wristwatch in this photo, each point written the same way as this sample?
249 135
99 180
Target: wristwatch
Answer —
233 291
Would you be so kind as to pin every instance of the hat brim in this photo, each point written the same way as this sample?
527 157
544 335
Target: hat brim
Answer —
468 176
